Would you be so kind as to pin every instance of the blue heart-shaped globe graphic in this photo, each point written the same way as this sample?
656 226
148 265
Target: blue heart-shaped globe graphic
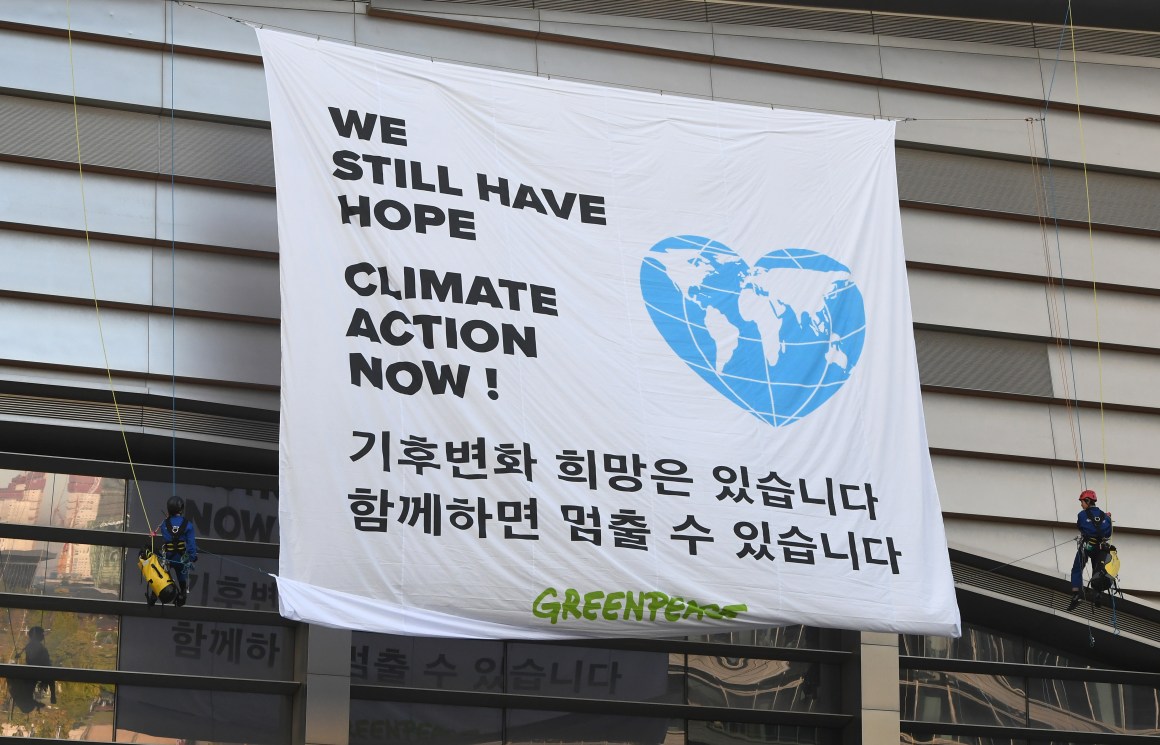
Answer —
778 338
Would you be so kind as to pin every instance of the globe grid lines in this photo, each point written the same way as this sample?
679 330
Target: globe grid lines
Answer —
715 284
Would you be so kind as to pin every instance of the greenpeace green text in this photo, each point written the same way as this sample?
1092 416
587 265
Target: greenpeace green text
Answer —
627 606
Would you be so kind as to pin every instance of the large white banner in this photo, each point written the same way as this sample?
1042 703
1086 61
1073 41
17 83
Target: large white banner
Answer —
562 360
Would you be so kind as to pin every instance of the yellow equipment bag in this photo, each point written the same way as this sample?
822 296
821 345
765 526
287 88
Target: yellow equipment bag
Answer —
160 585
1112 565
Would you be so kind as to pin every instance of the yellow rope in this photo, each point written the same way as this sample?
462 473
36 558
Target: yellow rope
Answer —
1092 252
93 275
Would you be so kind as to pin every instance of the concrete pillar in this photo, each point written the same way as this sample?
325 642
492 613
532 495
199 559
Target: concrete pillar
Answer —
879 707
322 706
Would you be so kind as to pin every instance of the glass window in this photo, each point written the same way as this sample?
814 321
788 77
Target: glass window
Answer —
426 662
570 728
62 500
793 637
976 643
374 722
234 514
216 582
776 685
76 570
963 698
81 640
1098 706
161 715
909 739
584 672
58 710
739 733
186 647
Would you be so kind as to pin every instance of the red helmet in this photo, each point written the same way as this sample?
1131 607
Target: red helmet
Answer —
1088 494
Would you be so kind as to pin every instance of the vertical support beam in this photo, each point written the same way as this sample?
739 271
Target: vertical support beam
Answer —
322 706
879 700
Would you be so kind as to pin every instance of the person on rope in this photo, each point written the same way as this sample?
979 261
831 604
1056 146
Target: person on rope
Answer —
1095 528
180 546
27 693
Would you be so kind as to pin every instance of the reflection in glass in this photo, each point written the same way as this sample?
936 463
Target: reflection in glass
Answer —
83 711
963 698
374 722
792 637
161 715
584 672
234 514
775 685
76 570
571 728
216 582
61 500
1094 706
188 647
909 739
83 640
426 662
976 643
719 733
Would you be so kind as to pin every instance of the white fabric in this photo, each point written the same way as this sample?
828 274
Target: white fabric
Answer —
684 281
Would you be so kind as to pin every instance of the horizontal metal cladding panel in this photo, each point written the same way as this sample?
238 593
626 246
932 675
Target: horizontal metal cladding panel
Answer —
1001 543
67 267
137 142
974 242
986 304
56 410
1009 75
1122 438
1101 84
954 29
673 10
1113 377
1004 186
213 349
1027 491
136 208
982 363
989 426
1106 41
215 283
136 342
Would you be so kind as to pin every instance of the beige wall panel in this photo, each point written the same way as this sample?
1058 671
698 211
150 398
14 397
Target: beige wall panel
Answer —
503 52
1139 557
684 37
1045 550
129 18
249 398
1114 317
857 58
55 265
218 283
1134 86
624 69
972 242
215 87
70 335
1123 438
983 303
217 217
1011 75
1113 377
1009 246
961 122
102 71
52 197
793 92
214 350
987 487
1130 497
193 26
1103 141
988 426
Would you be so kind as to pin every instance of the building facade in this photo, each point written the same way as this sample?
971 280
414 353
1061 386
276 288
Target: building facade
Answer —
139 315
